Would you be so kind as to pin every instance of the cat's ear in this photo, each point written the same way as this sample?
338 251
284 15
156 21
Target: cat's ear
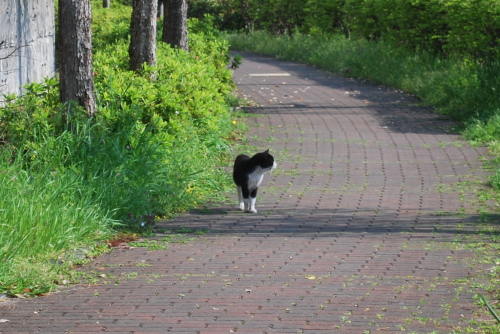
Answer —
266 151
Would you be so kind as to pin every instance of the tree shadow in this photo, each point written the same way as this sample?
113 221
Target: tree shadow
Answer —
442 227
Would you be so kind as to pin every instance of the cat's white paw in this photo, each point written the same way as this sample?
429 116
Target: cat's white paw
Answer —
252 205
242 206
251 211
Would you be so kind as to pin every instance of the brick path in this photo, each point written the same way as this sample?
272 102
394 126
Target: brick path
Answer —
355 231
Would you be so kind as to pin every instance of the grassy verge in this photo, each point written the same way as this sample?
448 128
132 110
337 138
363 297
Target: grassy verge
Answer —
464 89
156 148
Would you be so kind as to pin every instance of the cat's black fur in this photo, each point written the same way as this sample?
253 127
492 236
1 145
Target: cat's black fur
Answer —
248 174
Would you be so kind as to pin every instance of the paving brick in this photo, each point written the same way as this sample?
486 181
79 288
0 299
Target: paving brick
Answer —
350 236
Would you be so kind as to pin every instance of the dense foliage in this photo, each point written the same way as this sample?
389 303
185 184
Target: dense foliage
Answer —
155 147
467 27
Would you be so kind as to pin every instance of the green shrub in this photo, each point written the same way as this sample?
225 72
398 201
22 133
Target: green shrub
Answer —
109 26
469 28
224 14
325 17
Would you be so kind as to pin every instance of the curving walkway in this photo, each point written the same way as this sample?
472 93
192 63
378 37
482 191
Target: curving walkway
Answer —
360 229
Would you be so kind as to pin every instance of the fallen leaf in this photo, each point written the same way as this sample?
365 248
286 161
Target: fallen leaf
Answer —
310 277
3 321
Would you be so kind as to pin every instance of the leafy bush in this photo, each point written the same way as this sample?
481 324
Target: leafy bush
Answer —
110 26
470 28
224 14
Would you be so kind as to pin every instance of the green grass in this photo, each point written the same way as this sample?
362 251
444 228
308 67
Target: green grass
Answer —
44 216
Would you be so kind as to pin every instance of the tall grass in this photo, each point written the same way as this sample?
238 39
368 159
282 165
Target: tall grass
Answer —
45 212
30 226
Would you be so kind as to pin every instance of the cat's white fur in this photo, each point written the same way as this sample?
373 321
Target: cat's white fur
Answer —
254 181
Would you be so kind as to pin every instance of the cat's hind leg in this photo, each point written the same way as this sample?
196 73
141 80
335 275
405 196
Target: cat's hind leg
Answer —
240 198
248 201
252 200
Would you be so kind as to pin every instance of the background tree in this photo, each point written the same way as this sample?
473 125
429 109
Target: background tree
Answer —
142 47
175 31
75 54
161 10
106 3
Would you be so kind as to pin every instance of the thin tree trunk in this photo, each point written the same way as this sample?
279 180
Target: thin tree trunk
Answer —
106 3
75 57
142 47
160 9
175 31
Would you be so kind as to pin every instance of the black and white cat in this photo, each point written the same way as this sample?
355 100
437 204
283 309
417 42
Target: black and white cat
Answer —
248 174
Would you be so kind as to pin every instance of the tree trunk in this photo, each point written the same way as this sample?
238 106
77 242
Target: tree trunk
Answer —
160 9
106 3
142 47
76 76
175 30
